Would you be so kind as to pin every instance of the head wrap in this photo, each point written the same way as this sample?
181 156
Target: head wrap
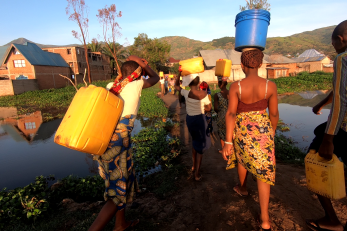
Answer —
252 57
121 82
188 79
204 86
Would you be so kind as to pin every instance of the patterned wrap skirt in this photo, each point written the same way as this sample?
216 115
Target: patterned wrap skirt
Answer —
254 145
116 165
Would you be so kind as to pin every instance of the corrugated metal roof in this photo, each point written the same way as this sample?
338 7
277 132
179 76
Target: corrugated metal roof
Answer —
277 59
211 56
277 68
308 59
36 56
310 53
3 52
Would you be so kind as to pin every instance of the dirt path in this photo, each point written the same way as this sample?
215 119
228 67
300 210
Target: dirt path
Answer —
212 205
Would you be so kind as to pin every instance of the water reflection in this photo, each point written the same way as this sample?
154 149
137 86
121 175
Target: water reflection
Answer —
296 111
28 150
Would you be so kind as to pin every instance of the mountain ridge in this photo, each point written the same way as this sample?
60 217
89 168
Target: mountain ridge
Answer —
319 39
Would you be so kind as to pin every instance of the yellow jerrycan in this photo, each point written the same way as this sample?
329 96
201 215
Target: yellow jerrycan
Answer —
223 67
323 177
90 120
192 66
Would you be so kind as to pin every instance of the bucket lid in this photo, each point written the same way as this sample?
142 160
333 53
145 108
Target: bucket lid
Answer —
253 14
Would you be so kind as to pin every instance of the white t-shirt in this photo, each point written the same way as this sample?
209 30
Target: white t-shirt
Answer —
194 106
131 96
162 81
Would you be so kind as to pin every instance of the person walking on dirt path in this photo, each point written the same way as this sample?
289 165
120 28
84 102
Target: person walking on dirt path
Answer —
197 102
116 165
162 85
208 114
181 99
253 142
221 106
331 136
166 84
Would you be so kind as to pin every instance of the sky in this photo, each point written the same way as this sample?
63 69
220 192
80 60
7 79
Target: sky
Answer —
46 22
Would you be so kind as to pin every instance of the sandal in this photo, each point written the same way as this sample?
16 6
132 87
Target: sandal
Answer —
132 224
313 225
236 189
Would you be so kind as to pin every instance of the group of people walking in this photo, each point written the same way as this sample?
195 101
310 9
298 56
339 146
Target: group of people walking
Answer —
247 121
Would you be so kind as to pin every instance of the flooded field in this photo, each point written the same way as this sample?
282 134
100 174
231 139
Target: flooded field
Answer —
28 150
296 111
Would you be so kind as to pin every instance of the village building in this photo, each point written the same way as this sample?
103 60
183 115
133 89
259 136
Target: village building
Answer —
171 62
29 62
74 56
211 56
311 61
279 66
43 67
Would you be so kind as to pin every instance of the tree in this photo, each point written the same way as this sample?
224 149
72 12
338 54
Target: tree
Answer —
174 69
121 53
107 18
79 14
95 46
156 52
256 4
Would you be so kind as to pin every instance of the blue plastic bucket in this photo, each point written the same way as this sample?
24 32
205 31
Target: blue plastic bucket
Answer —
251 29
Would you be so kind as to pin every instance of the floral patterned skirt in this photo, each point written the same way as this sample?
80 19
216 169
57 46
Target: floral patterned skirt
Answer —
116 165
254 145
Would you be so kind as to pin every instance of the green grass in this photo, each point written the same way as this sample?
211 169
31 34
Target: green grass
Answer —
304 81
54 102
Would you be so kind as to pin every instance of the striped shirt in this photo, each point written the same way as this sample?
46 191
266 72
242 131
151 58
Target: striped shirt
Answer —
338 113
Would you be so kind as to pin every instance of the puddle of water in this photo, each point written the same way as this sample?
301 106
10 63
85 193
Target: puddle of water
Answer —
296 111
28 150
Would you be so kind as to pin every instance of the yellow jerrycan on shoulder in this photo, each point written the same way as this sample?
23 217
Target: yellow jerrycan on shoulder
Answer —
90 120
323 177
192 66
223 67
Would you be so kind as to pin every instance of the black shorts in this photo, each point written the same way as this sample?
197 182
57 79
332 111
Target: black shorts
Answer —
340 147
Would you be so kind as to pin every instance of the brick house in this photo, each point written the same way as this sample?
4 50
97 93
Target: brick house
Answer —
279 66
28 61
171 61
311 61
75 57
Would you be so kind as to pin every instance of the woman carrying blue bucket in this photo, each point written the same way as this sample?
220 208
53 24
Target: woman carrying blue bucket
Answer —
250 129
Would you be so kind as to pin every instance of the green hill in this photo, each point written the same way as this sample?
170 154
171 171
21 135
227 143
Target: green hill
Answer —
319 39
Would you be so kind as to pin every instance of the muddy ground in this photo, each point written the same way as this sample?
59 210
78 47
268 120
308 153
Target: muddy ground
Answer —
212 204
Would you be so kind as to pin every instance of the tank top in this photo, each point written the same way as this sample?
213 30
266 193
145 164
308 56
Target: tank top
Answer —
256 106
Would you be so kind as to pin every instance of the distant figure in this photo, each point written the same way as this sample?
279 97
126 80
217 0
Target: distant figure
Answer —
253 141
197 102
181 99
116 165
162 85
208 114
221 107
331 136
166 84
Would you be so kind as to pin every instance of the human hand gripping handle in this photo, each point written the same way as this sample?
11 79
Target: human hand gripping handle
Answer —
227 150
326 149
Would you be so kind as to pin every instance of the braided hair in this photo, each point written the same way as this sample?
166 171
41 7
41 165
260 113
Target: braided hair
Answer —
252 58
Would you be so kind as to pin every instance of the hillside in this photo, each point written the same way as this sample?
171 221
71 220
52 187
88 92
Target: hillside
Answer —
319 39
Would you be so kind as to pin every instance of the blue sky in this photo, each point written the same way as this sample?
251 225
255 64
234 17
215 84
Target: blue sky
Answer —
45 21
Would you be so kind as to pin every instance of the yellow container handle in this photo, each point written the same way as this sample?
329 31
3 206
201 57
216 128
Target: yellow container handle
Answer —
323 160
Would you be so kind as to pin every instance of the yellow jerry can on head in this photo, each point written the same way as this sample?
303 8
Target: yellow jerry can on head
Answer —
192 66
223 67
323 177
161 74
90 120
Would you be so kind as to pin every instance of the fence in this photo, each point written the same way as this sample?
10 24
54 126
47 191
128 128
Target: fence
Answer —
16 87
